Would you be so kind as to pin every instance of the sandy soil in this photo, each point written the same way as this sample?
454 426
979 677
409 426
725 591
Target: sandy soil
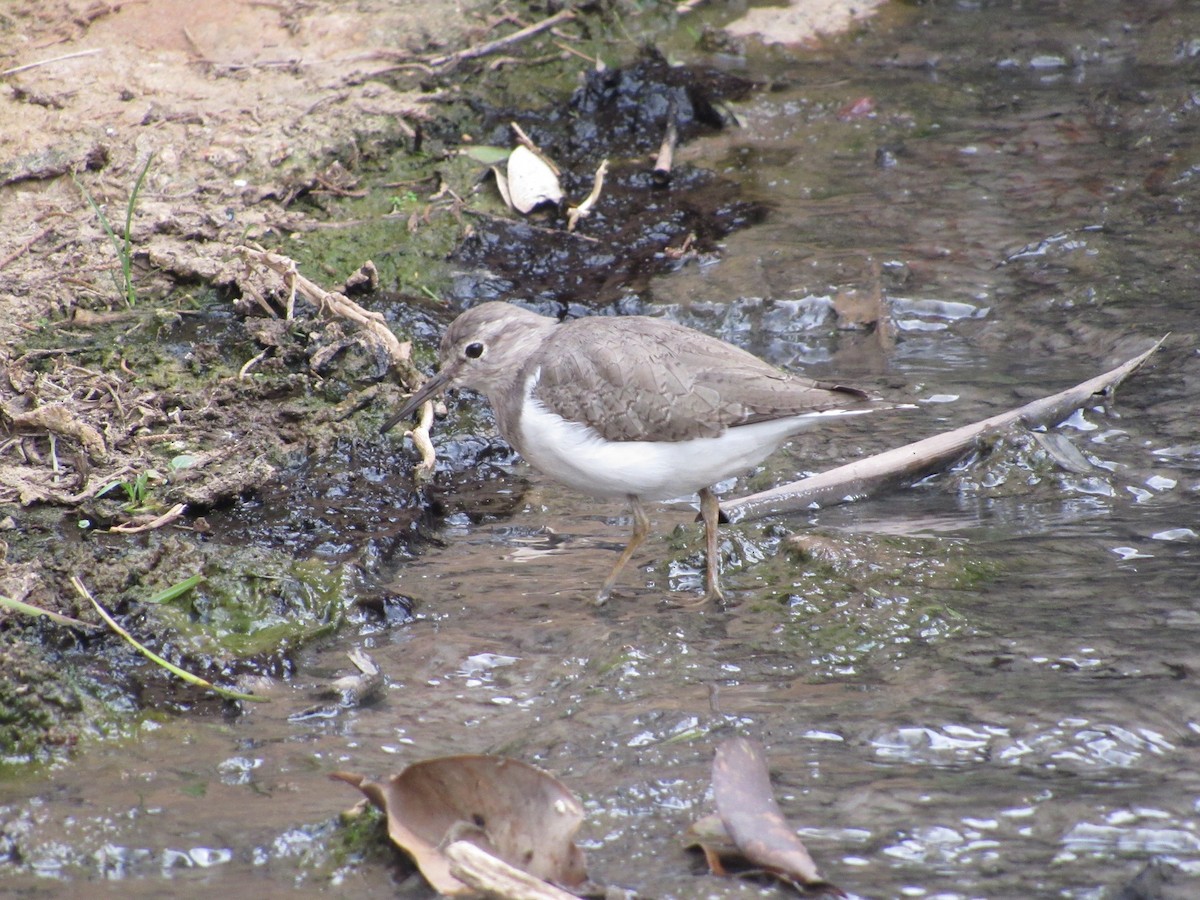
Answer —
241 104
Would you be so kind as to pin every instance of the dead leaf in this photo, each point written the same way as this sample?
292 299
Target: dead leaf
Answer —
502 185
512 810
531 181
1063 452
746 804
752 820
57 418
709 834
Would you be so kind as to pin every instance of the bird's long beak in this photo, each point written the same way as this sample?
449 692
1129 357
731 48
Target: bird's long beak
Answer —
431 388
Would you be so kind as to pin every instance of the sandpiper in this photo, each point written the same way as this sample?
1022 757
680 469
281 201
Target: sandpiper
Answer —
634 407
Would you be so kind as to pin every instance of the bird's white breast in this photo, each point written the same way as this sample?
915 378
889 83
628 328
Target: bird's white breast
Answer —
575 454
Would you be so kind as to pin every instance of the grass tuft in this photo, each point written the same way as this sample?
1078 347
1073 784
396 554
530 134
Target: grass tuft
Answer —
123 245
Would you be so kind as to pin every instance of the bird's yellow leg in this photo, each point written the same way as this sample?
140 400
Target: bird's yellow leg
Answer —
641 527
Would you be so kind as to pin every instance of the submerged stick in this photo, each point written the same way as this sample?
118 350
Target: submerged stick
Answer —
868 476
496 878
665 160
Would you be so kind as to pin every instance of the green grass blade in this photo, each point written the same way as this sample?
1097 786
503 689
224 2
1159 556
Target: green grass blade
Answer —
30 610
127 249
112 236
155 658
175 590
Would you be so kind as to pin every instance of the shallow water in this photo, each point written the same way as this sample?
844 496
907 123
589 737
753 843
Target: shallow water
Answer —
991 695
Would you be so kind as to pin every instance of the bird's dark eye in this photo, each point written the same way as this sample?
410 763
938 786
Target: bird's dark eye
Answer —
473 350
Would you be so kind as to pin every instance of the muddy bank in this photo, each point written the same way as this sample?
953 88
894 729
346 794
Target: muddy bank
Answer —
978 687
169 382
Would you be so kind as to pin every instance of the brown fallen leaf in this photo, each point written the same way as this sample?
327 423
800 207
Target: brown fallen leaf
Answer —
58 418
512 810
749 827
720 852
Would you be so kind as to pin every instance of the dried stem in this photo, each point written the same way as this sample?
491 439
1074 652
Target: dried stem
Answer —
45 62
451 59
666 152
575 213
175 512
912 461
496 878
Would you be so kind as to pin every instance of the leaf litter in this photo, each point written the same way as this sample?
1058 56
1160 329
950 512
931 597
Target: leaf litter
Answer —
749 834
507 808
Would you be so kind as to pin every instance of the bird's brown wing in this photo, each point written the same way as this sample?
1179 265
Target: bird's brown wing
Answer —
652 379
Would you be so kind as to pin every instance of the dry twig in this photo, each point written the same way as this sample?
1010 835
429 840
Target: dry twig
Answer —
335 304
45 62
868 476
666 151
332 302
575 213
422 440
496 878
452 59
175 512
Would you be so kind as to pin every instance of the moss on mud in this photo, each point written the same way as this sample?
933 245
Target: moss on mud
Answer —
48 704
204 394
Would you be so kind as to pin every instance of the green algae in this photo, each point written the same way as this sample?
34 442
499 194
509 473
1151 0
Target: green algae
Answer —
48 705
254 604
845 600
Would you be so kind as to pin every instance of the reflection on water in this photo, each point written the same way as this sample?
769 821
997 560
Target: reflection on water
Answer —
991 696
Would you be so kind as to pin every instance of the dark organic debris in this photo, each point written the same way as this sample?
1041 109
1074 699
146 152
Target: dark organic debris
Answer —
650 207
630 108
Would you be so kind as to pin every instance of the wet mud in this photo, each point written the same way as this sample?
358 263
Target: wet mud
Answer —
646 222
260 427
978 686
